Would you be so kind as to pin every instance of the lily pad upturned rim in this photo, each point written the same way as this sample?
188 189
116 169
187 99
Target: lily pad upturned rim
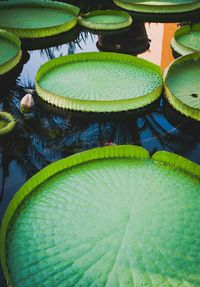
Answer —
42 32
127 151
9 65
179 47
92 105
85 22
160 9
10 120
193 113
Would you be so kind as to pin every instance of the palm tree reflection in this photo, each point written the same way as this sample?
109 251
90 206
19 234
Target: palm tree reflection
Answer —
49 134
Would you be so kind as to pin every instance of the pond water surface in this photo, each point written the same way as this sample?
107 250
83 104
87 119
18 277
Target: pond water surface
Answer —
48 134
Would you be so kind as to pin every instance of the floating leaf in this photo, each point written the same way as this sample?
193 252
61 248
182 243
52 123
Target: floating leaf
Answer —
10 51
182 85
105 20
99 82
7 123
36 19
186 40
106 217
157 6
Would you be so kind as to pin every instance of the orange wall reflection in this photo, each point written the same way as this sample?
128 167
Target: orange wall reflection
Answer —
168 34
160 51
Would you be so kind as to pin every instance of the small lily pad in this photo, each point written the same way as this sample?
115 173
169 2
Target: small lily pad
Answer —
105 20
182 85
7 123
10 51
186 40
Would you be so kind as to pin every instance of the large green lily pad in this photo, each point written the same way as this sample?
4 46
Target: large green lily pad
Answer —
105 20
7 123
99 82
157 6
182 85
35 19
10 51
110 216
186 40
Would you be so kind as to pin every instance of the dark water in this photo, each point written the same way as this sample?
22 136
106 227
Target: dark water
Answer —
49 134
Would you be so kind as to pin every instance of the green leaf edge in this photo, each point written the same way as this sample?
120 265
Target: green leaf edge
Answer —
178 162
85 21
11 123
177 46
9 65
42 32
123 151
184 109
145 8
97 106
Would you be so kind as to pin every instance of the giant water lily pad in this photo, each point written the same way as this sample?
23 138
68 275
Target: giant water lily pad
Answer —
182 85
10 51
186 40
99 82
35 19
157 6
105 20
110 216
7 123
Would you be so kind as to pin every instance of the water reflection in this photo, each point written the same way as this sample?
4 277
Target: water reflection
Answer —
53 41
89 5
134 41
166 18
46 136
